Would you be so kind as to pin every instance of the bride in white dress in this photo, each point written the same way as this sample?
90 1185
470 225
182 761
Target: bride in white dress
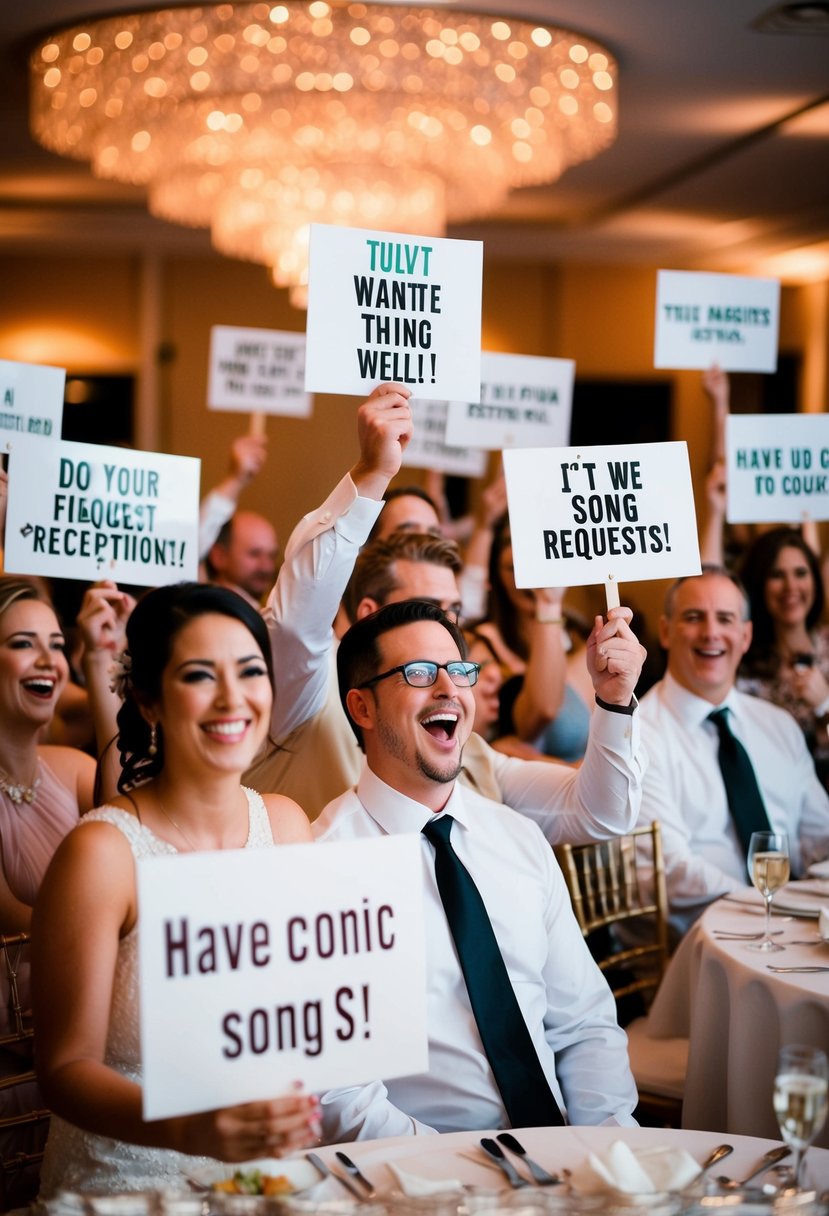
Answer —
196 710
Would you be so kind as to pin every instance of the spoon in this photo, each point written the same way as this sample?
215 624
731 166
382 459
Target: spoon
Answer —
771 1158
540 1175
716 1154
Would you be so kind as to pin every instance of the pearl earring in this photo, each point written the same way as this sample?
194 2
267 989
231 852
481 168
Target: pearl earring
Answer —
152 750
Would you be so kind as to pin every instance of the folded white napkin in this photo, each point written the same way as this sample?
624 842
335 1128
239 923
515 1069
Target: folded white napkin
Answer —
823 924
643 1171
820 869
413 1185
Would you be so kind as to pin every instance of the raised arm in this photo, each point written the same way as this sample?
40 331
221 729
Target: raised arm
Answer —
320 556
102 620
248 454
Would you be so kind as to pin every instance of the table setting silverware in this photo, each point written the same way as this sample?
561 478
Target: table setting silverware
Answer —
804 970
494 1150
355 1173
769 1159
716 1154
540 1175
327 1172
727 935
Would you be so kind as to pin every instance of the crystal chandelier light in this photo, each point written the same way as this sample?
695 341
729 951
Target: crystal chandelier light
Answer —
257 119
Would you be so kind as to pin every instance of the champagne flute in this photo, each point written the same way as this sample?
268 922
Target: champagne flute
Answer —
768 869
801 1097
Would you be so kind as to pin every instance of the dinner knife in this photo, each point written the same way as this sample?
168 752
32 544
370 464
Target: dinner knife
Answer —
494 1150
326 1172
349 1165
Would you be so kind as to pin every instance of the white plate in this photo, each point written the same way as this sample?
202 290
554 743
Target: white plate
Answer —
301 1173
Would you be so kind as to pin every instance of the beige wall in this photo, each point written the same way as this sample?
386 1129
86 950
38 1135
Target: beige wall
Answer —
94 314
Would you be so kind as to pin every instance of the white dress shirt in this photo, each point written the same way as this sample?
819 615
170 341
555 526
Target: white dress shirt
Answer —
319 753
565 1000
684 790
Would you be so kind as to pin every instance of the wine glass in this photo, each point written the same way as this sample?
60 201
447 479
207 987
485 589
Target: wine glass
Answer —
801 1089
768 869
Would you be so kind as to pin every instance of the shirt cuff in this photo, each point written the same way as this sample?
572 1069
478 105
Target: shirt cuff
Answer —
617 709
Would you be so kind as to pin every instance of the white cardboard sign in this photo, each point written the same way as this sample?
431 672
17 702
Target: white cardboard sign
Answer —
428 449
778 467
258 371
261 967
384 306
86 511
728 319
526 401
31 399
580 516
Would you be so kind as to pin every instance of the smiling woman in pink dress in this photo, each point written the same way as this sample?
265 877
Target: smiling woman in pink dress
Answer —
43 790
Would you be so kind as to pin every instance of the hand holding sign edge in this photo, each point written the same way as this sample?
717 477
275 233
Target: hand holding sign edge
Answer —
614 657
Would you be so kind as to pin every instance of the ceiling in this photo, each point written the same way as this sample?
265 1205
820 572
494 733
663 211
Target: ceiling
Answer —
722 159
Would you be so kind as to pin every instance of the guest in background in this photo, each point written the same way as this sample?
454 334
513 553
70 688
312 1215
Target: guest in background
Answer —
406 509
243 556
546 690
787 661
43 790
693 720
198 689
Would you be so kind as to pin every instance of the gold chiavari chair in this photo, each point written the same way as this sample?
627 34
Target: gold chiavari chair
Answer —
620 901
23 1120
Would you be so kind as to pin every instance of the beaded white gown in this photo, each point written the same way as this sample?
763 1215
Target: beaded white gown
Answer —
76 1160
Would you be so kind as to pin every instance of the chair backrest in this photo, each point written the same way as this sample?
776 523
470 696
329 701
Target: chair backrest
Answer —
619 886
23 1118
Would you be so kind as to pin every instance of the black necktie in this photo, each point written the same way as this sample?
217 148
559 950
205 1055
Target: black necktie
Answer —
745 802
507 1042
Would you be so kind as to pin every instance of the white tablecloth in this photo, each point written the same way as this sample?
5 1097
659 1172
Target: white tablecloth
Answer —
443 1157
737 1014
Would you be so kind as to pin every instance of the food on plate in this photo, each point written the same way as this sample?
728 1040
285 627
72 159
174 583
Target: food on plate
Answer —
254 1182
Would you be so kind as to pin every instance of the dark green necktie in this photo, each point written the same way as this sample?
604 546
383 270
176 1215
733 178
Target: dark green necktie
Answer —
509 1048
745 802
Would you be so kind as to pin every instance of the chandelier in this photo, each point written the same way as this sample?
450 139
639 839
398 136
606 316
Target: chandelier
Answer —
258 119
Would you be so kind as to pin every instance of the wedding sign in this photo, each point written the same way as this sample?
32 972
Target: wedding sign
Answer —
261 967
778 467
86 511
31 399
727 319
525 402
580 516
257 370
384 306
428 448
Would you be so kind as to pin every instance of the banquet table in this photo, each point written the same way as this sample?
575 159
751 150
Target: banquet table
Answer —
457 1155
736 1013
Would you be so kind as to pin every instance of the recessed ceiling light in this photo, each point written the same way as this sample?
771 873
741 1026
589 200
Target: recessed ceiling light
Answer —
809 17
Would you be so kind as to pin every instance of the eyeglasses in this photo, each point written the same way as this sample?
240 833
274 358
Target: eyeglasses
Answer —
422 673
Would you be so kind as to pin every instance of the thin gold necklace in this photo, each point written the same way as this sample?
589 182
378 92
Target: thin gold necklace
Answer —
193 848
177 826
18 792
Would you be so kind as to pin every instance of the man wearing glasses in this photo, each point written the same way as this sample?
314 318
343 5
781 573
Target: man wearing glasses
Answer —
406 686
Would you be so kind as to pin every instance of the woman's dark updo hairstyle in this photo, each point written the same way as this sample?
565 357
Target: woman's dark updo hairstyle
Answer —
500 608
757 566
151 630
